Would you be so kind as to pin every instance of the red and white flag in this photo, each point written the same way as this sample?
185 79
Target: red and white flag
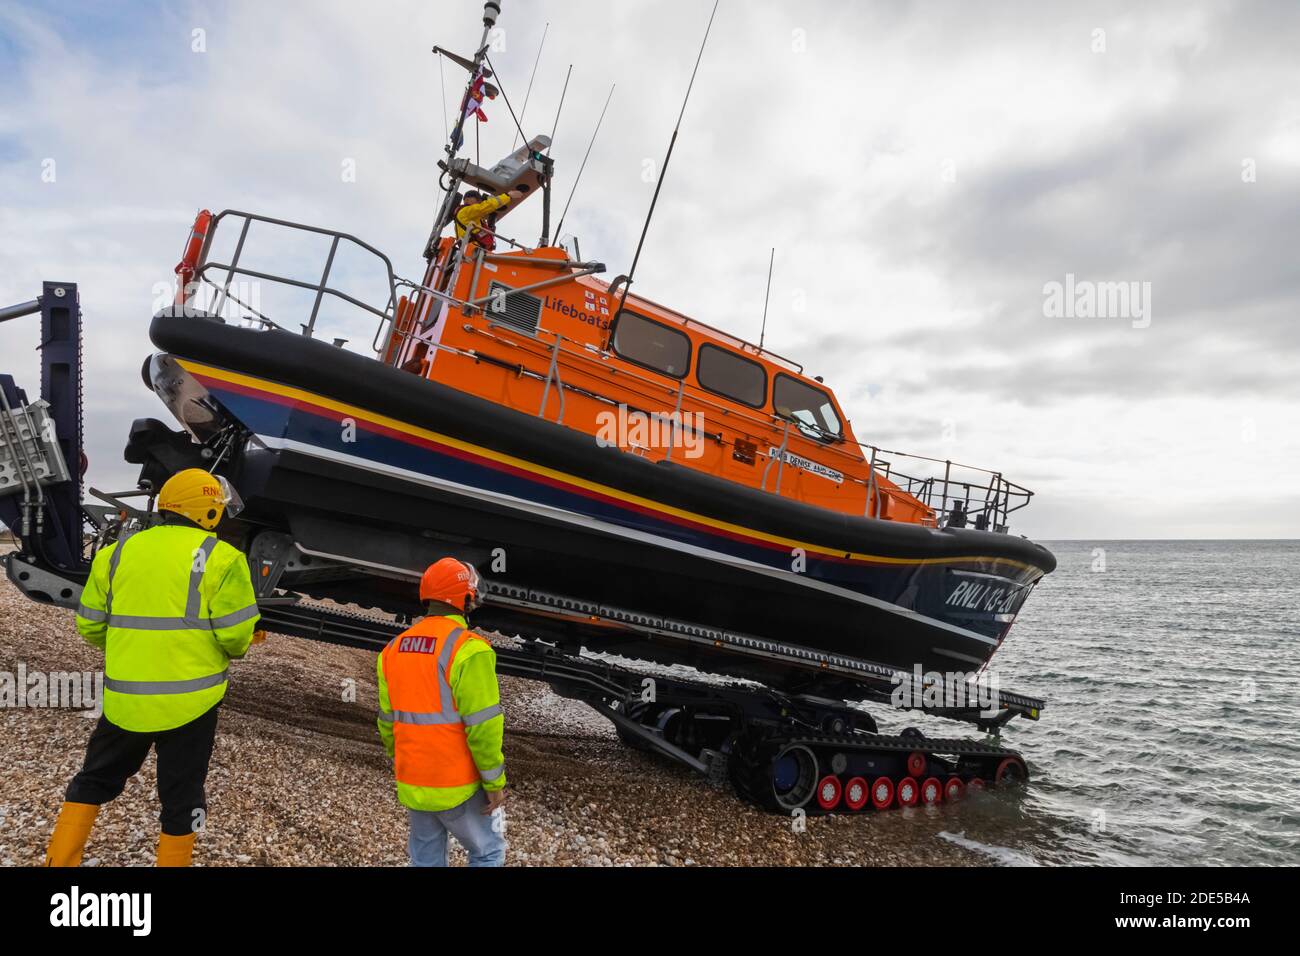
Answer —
479 90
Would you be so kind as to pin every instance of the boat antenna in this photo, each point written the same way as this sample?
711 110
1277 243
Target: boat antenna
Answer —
560 229
560 108
442 75
519 129
545 240
528 95
770 266
491 11
663 172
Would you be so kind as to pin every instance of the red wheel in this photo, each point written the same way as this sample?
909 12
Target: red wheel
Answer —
954 789
931 791
976 785
909 792
856 794
1011 771
828 793
882 793
916 764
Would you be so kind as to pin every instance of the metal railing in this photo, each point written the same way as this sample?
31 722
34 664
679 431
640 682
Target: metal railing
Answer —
987 498
456 258
322 288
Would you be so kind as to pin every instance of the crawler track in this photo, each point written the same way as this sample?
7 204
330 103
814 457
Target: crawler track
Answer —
788 754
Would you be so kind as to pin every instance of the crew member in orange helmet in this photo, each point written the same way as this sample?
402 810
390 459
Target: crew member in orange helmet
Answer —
440 719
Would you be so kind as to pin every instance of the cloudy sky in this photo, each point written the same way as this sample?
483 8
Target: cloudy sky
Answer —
925 170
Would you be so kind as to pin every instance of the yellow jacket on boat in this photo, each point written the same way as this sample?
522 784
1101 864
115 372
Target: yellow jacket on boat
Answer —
171 607
472 216
440 714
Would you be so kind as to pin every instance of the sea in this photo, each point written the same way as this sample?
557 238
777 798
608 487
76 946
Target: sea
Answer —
1171 737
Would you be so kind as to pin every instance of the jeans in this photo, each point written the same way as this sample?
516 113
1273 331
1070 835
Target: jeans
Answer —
472 830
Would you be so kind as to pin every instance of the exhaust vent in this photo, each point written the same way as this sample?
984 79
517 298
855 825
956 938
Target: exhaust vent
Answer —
519 310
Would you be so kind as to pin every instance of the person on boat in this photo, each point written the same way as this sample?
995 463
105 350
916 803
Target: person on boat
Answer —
171 607
440 720
957 517
478 215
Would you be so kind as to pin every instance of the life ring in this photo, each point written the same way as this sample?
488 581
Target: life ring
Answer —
187 268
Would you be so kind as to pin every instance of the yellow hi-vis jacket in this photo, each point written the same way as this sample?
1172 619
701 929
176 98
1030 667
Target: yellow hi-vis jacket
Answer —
440 714
171 607
470 217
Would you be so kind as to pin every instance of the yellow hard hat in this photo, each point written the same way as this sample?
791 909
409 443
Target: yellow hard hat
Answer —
199 496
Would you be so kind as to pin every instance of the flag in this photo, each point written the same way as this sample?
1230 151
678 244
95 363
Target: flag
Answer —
479 90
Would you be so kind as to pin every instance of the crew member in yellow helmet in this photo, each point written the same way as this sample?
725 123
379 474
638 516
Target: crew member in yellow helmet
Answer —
171 607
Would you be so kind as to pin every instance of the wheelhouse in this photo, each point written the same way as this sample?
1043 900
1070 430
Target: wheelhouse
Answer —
539 335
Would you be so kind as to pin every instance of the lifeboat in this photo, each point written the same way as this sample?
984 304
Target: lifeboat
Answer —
634 457
572 438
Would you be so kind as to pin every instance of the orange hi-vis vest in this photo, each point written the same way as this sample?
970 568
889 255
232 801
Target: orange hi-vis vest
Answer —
430 745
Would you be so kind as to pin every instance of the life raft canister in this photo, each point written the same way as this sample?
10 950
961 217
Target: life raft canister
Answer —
187 268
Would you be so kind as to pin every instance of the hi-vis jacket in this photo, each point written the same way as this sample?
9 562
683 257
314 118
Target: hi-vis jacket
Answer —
171 607
471 217
440 714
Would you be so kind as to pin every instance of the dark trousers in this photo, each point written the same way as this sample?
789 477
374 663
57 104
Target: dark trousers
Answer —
114 756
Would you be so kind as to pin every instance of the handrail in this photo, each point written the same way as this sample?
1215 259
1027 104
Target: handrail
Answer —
588 268
419 289
779 459
873 488
470 306
585 352
321 288
675 420
476 356
553 374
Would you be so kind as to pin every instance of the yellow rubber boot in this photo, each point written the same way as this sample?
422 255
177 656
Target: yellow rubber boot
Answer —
71 831
174 850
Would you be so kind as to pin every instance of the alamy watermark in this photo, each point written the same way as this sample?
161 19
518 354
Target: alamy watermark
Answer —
233 302
932 690
1082 299
661 431
74 909
53 690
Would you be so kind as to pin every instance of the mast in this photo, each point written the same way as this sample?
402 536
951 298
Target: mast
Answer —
491 11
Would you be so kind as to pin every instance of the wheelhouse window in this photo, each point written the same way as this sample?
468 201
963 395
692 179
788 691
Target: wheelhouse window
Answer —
808 407
652 344
732 376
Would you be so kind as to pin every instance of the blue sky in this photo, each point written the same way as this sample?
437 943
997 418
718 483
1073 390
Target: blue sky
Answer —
123 32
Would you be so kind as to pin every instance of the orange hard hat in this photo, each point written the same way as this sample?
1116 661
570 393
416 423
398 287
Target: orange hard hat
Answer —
451 582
